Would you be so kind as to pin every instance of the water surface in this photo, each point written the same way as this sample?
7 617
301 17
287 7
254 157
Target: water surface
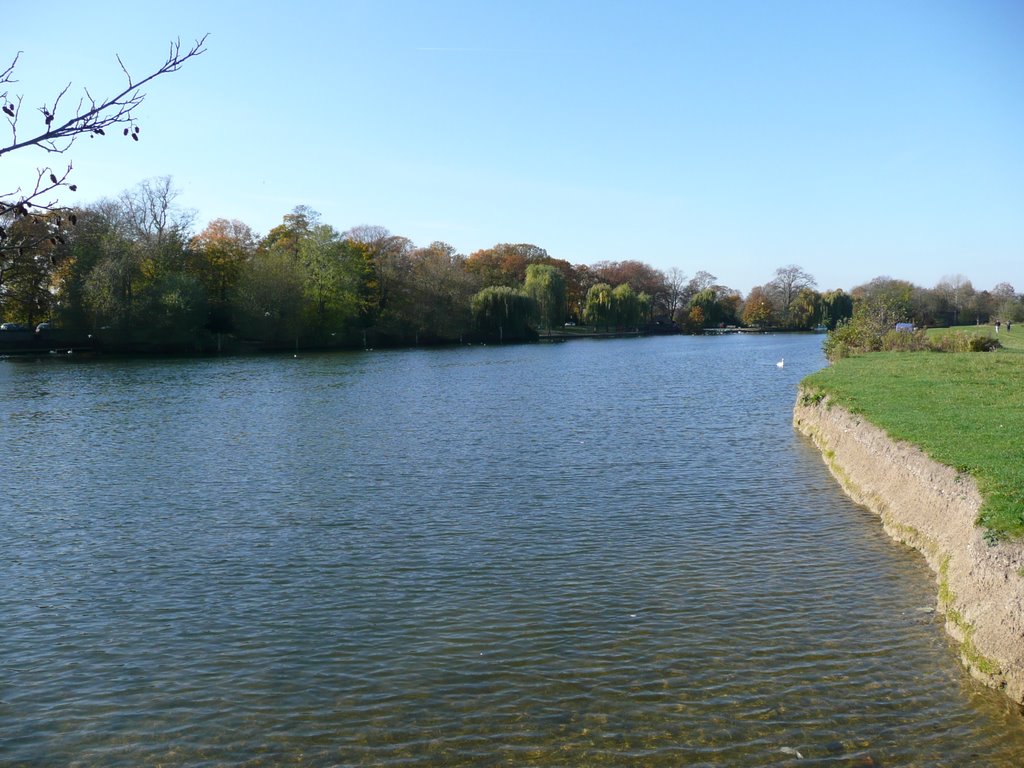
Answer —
586 553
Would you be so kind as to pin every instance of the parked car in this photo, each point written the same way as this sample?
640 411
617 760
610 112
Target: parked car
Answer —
14 327
44 327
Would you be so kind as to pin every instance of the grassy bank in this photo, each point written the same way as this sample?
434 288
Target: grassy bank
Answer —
965 410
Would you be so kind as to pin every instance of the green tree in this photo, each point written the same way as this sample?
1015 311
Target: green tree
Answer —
710 310
269 299
111 287
627 306
598 309
27 273
836 306
216 257
502 313
805 309
328 286
546 286
218 253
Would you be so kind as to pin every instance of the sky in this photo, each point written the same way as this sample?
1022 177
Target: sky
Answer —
853 138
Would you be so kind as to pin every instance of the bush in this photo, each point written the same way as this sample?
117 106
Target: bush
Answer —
958 341
860 335
905 341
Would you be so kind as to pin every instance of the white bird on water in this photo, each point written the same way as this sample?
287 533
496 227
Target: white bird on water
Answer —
781 363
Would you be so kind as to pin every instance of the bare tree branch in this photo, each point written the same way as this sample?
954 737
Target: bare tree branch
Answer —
91 116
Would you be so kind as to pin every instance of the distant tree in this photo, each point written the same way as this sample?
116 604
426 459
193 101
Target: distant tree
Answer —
675 284
505 263
598 307
710 310
699 282
440 294
287 236
1006 304
956 294
641 277
691 319
626 306
327 287
784 288
836 306
269 298
758 310
731 304
578 281
805 309
219 253
390 259
502 313
545 284
888 300
27 274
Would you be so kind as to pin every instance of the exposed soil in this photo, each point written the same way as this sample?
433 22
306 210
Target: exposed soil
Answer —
933 508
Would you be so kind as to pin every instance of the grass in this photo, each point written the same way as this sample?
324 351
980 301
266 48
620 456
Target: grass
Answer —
964 409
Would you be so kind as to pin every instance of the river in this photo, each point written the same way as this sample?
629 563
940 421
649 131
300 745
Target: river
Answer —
596 552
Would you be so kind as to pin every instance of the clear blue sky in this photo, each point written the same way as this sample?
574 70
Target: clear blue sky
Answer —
854 138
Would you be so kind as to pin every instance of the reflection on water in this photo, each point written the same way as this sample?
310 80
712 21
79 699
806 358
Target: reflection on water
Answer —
577 554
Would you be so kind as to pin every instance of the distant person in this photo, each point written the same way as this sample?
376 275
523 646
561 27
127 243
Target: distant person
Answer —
997 327
1007 326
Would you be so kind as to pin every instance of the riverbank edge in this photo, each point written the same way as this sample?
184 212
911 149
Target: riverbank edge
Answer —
932 508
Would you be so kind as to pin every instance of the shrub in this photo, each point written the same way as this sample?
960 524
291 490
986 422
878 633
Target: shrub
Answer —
958 341
905 341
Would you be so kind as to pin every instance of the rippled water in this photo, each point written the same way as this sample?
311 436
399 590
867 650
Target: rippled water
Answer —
589 553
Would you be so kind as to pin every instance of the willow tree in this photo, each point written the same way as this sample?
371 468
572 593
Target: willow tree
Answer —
503 313
836 306
597 309
710 310
545 284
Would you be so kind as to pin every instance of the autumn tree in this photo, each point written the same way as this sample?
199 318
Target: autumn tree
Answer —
440 292
642 277
505 263
216 257
389 256
758 310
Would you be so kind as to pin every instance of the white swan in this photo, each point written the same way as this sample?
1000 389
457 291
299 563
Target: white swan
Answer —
781 363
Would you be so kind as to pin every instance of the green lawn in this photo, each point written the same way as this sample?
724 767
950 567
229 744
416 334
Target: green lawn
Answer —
965 410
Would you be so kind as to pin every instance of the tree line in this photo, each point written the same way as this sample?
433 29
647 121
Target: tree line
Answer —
131 274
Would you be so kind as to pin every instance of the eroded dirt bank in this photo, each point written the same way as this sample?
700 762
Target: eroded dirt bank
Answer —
932 508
